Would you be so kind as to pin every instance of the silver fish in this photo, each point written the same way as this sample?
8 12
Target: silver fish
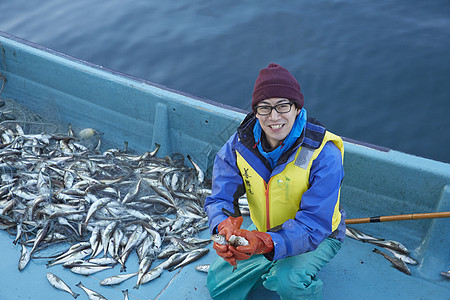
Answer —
406 258
203 268
107 235
169 250
359 235
92 295
95 241
64 222
59 284
396 263
219 239
24 258
394 245
103 261
40 236
144 266
125 294
132 195
445 274
236 241
117 279
200 173
133 240
95 206
78 263
88 270
152 274
233 240
74 256
174 260
192 256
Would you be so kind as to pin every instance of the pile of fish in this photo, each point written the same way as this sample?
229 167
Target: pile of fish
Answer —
400 254
106 205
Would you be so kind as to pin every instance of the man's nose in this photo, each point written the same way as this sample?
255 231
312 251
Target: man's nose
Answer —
273 114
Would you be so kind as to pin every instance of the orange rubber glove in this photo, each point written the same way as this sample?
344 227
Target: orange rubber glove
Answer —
258 243
226 228
227 255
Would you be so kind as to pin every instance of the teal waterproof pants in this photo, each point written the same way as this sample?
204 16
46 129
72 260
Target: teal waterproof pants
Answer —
292 277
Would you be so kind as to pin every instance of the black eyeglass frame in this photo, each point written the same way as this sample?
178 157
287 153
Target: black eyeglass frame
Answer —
274 107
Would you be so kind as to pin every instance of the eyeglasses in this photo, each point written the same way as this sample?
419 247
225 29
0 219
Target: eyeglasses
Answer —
282 108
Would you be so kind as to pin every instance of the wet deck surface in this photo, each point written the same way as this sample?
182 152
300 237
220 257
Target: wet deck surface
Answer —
355 273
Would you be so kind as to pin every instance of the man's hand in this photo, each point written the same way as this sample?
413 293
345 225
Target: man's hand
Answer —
226 228
258 243
227 255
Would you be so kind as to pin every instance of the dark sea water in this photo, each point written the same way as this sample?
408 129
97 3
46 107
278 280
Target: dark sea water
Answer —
374 71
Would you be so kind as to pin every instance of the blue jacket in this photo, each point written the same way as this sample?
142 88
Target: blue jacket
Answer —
309 227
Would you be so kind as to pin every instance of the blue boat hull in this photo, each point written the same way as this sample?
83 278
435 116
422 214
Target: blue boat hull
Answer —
126 109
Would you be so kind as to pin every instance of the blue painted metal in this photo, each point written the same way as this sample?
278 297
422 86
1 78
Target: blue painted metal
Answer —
378 181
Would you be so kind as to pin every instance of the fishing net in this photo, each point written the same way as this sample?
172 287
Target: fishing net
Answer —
2 68
12 113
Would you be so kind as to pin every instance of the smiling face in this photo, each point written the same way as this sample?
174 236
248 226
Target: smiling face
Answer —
277 126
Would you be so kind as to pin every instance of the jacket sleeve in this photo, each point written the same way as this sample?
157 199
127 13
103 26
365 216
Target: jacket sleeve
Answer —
313 222
227 186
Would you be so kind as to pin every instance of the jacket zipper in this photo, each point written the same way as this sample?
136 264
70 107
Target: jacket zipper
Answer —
267 206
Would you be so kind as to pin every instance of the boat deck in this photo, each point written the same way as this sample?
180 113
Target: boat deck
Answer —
355 273
377 182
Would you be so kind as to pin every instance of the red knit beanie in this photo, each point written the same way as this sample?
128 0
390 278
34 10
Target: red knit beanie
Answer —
276 82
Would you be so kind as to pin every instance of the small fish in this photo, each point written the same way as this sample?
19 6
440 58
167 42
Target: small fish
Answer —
96 242
24 258
394 245
133 193
92 295
95 206
19 233
219 239
74 256
103 261
406 258
70 131
173 260
59 284
234 240
359 235
117 279
40 236
125 294
78 263
107 235
88 270
202 268
144 266
192 256
445 274
200 173
396 263
150 275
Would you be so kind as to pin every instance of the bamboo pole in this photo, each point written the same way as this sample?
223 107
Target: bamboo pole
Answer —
444 214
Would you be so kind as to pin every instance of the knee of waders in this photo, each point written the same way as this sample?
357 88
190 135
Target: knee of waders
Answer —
293 284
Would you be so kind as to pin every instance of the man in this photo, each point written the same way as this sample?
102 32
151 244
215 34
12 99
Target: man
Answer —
291 169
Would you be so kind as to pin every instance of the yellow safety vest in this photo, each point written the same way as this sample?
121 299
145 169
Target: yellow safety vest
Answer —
272 203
